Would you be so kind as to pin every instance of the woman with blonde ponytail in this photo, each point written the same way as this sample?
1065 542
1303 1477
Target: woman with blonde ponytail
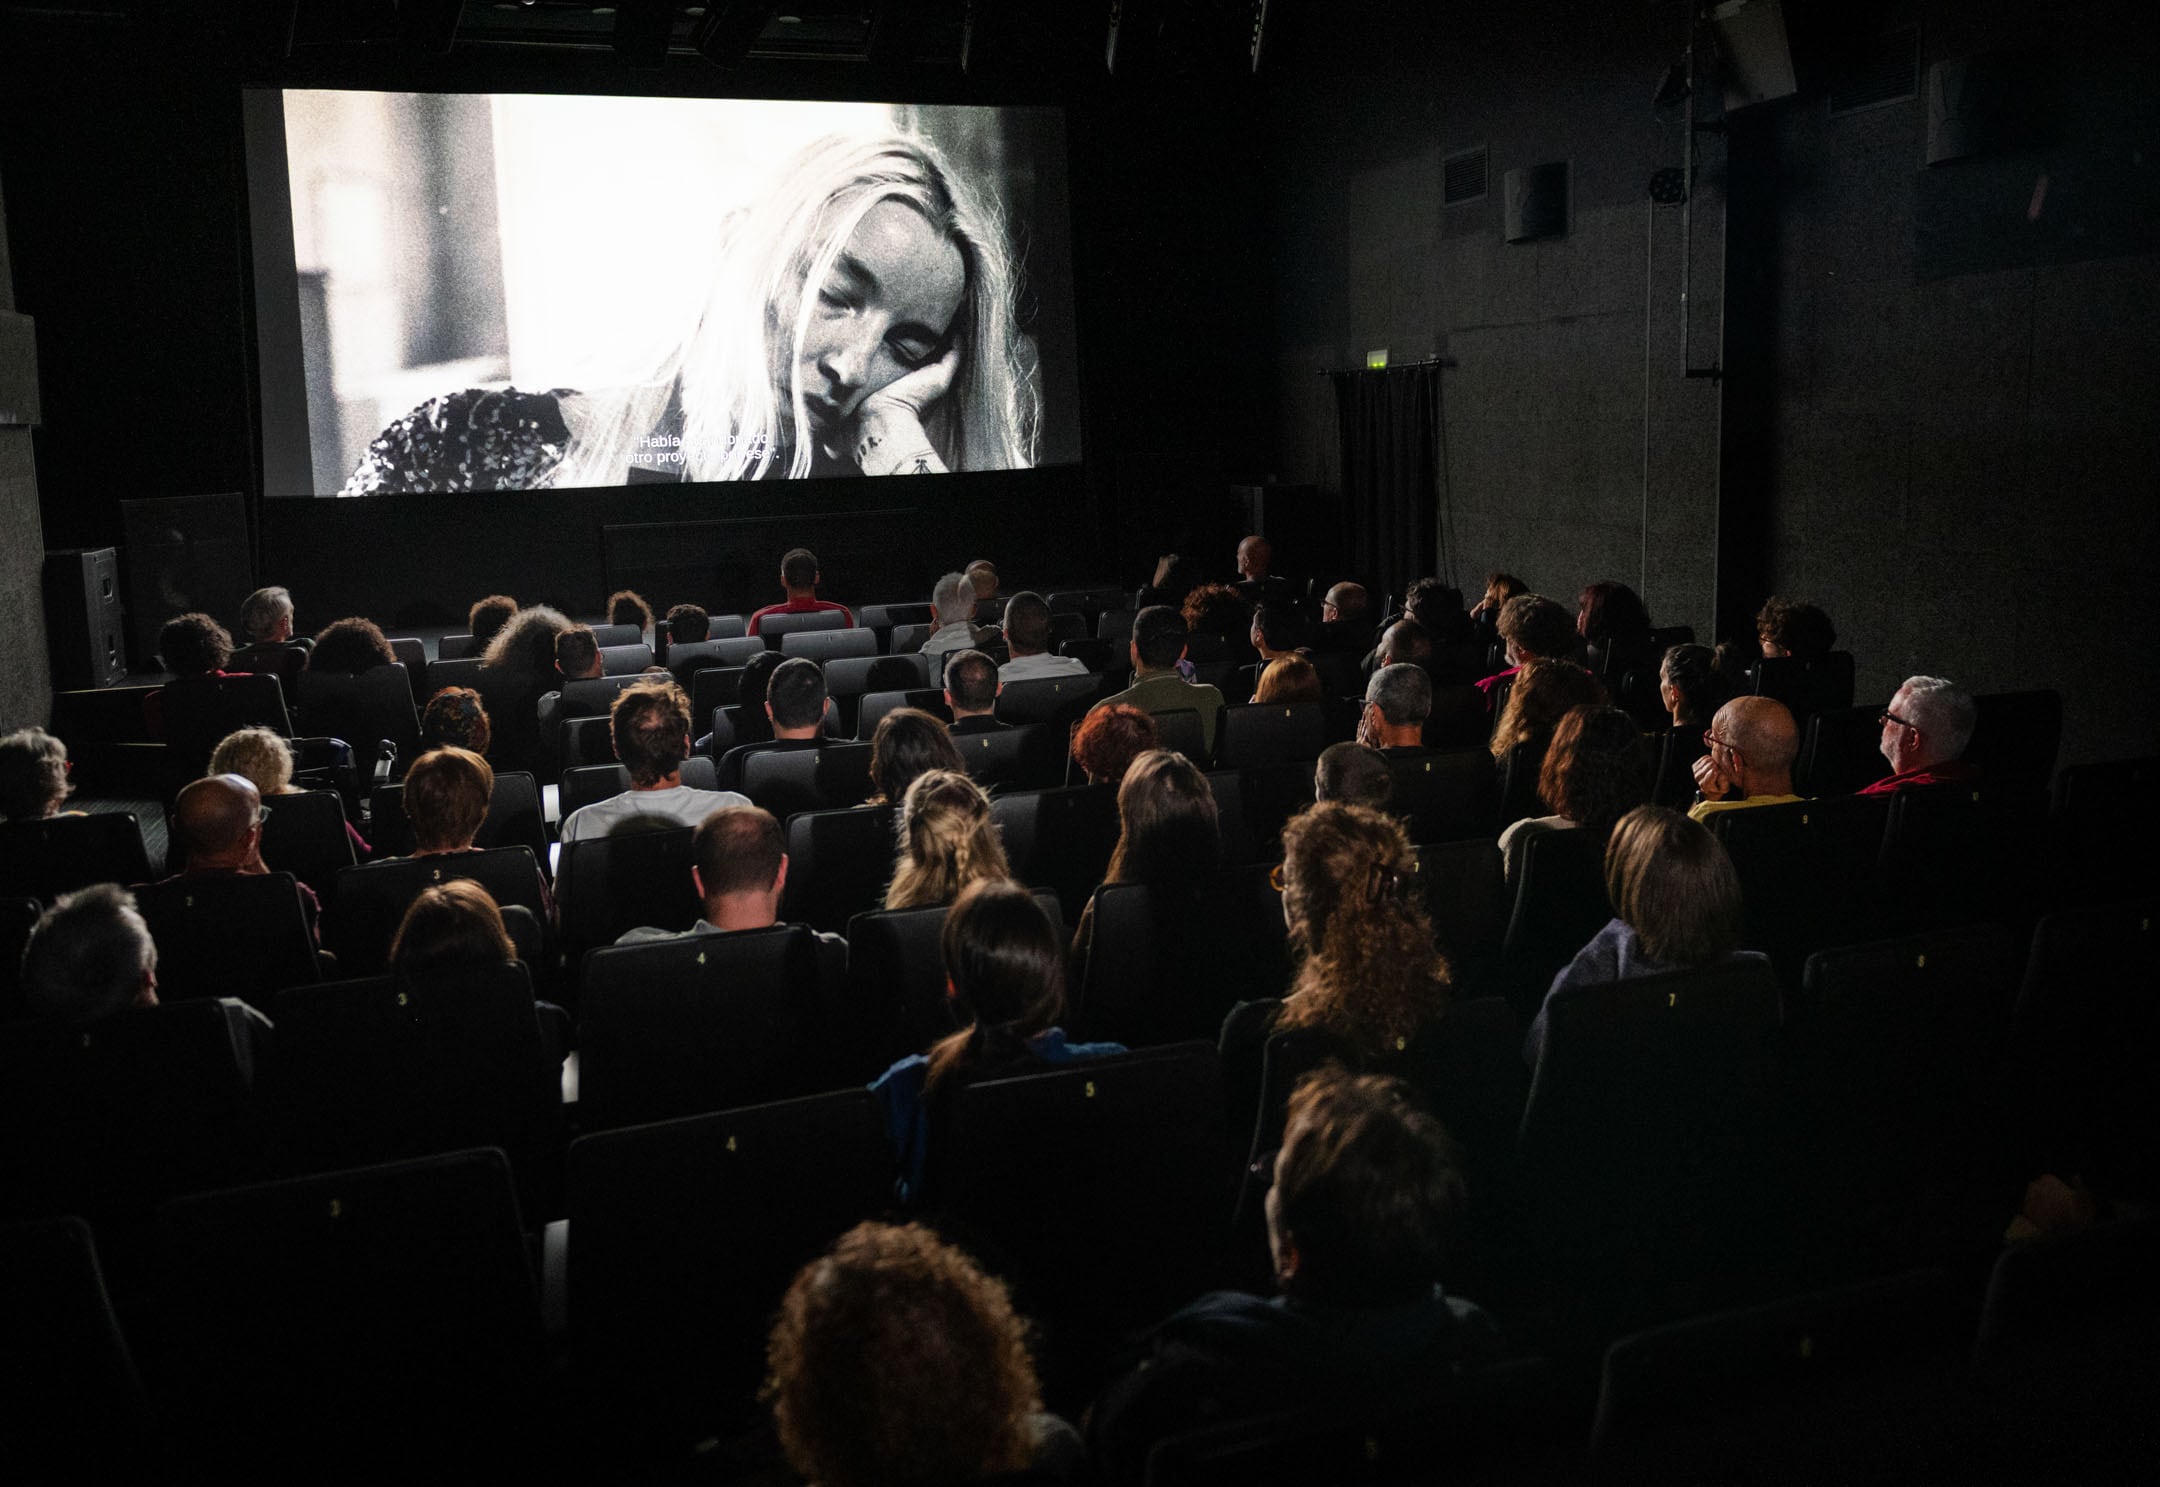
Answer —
947 841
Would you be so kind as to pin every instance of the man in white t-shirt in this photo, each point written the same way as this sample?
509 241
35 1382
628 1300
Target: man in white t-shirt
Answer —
651 727
1027 636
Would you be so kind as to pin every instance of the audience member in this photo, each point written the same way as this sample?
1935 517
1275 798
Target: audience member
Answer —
1541 696
1438 607
1690 685
895 1359
452 925
189 645
1108 740
89 956
1753 741
34 771
577 654
1499 588
799 578
1593 774
266 617
650 725
1368 970
217 823
265 759
1924 733
349 646
455 717
1398 700
946 841
753 724
1676 905
739 869
1158 644
628 607
793 706
516 671
907 744
1404 643
687 624
446 797
1607 614
982 576
1364 1205
1288 681
1218 609
1027 639
1174 578
1005 975
1353 774
1794 627
1257 583
971 692
1533 628
952 614
1345 605
487 617
1275 632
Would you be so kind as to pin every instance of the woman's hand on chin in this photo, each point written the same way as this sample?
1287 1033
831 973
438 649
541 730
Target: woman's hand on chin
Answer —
889 434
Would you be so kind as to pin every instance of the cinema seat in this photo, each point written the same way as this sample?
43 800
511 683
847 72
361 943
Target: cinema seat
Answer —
304 834
513 820
607 886
589 783
827 645
71 1391
874 705
838 864
367 709
775 628
1445 796
1560 905
1059 839
628 659
1270 733
44 859
787 781
236 935
362 916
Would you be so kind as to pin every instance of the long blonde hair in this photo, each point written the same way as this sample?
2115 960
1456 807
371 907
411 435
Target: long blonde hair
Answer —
947 841
747 345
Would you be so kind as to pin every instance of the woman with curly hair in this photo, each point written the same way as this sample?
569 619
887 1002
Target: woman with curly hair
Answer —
1367 968
895 1359
1109 738
1541 696
516 671
907 744
1005 977
1593 774
455 718
947 841
350 646
1217 609
265 759
33 775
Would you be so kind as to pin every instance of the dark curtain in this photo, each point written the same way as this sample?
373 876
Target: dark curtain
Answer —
1390 426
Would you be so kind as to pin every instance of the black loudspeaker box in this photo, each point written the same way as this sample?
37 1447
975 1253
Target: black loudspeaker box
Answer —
83 618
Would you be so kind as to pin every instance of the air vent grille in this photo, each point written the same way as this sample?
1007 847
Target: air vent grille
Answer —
1875 71
1462 176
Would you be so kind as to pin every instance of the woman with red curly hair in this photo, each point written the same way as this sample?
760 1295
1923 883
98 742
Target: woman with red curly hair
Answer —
1109 739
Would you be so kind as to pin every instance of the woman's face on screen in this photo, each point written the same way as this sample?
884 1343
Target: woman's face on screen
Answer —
885 310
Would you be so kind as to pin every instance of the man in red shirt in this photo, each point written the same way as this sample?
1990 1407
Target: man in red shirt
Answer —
1924 731
799 577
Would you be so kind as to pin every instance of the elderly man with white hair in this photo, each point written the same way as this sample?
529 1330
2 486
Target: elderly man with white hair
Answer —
1924 733
952 611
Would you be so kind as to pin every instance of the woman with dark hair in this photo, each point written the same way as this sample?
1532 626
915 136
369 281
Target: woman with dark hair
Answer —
487 617
907 744
451 925
1439 608
1676 905
1609 614
1217 609
1499 588
1794 627
628 607
1594 773
350 646
1542 694
1109 738
751 723
1005 975
516 671
1691 686
455 718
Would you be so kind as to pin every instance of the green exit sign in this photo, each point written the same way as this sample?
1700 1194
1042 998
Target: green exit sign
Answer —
1375 360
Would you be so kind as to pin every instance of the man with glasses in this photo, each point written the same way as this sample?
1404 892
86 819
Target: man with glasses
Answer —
217 821
1753 741
1924 733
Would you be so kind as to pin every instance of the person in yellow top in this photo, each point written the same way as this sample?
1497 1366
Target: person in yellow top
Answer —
1753 741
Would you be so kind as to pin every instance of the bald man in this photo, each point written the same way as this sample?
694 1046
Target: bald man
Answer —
217 822
1256 583
1753 741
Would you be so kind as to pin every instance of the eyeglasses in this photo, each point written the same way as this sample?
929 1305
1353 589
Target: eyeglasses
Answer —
262 814
1720 743
1275 877
1891 717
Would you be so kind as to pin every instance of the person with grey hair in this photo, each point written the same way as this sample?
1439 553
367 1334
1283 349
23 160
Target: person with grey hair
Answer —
952 611
90 956
33 775
266 616
1924 733
1354 775
1398 700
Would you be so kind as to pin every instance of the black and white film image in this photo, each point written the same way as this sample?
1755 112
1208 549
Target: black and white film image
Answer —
516 292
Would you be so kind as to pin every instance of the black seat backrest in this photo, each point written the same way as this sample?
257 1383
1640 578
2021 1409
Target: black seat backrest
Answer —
109 1120
363 915
1674 784
1048 699
457 648
1059 839
1019 758
692 656
775 628
1560 905
895 1003
2016 736
712 688
1960 854
1841 753
1806 684
391 1067
513 820
198 711
1466 895
886 616
583 741
672 1285
2106 815
707 1022
1270 733
1519 773
2079 1298
907 638
788 781
72 1387
827 645
1165 963
452 671
411 655
589 783
594 696
1807 873
625 660
838 864
854 676
44 859
237 935
304 834
1232 828
607 886
1644 1142
365 708
609 636
385 1309
1180 730
18 916
1445 796
2087 1044
875 705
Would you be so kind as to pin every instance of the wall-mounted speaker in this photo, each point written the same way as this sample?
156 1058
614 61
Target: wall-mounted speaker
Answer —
83 617
1537 202
1757 58
1989 104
